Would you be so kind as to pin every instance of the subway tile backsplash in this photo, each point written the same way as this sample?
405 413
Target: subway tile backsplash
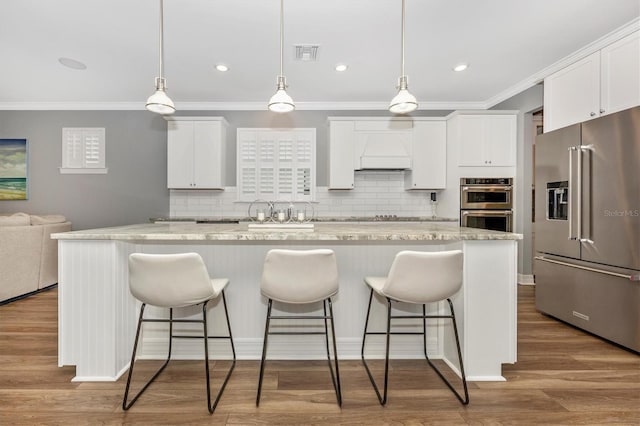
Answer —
375 193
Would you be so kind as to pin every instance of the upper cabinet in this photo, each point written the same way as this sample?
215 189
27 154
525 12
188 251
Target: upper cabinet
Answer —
604 82
341 154
486 140
416 145
429 159
196 152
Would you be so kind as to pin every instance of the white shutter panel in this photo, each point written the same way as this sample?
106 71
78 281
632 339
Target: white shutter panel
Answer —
285 165
72 149
305 167
267 165
94 147
247 175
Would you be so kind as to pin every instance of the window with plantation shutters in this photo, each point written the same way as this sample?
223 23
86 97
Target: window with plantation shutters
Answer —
276 164
83 150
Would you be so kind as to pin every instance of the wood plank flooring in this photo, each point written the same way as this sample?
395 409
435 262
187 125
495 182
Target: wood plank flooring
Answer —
563 376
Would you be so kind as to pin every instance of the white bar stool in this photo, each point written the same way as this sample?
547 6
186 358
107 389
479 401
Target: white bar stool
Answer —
417 278
301 277
175 281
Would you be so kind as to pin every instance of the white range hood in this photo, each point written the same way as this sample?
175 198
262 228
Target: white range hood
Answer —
383 150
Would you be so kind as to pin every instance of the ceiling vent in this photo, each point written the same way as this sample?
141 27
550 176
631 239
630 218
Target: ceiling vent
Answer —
306 52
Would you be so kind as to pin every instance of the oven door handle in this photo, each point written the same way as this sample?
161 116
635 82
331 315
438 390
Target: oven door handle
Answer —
488 188
487 213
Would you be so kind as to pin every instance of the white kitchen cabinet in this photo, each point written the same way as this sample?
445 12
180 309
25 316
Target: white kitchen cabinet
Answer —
620 74
341 154
487 140
604 82
196 152
429 156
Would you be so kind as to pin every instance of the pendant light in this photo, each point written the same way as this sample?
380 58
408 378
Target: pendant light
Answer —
159 102
281 102
404 102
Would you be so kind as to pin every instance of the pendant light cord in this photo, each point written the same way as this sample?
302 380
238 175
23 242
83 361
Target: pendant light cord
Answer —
282 34
402 42
161 47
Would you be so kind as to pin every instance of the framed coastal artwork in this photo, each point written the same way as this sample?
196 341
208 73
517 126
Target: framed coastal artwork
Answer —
13 169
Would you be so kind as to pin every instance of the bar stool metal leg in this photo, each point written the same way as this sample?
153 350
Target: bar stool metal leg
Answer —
125 405
334 378
264 351
464 400
213 406
382 398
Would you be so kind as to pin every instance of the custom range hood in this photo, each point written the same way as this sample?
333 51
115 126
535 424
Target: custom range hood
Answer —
385 152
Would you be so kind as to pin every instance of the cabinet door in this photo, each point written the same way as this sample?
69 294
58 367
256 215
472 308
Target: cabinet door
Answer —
207 155
429 161
471 138
620 79
180 154
572 95
341 155
500 140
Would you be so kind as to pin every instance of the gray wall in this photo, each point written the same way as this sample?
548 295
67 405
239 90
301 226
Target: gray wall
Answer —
133 190
135 187
527 103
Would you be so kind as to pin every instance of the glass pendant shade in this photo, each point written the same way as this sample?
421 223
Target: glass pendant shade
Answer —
281 101
404 102
159 102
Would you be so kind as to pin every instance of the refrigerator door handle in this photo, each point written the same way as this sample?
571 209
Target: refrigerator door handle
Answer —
586 268
579 192
570 204
583 148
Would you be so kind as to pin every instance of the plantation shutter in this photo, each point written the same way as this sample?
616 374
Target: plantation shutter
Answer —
276 164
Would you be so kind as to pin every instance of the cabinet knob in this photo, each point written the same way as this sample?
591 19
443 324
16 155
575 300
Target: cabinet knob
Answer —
601 110
593 114
489 161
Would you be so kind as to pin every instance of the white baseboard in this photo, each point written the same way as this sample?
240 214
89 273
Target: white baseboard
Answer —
525 279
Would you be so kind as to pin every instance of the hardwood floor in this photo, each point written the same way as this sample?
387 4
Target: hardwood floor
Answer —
563 376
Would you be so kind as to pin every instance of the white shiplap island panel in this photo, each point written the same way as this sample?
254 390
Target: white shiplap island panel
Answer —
97 314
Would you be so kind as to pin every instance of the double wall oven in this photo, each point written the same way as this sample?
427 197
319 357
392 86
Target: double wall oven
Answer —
487 203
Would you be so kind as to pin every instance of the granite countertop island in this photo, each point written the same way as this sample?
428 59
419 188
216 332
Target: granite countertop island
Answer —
333 231
97 313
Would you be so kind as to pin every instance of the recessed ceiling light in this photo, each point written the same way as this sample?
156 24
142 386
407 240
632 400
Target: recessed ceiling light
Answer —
341 67
222 67
72 63
460 67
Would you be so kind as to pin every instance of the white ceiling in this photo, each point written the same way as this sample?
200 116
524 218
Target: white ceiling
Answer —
509 45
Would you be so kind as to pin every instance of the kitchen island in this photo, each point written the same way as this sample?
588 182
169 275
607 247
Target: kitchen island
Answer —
97 314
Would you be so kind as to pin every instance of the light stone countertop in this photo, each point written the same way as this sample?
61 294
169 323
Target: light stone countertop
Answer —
229 219
374 231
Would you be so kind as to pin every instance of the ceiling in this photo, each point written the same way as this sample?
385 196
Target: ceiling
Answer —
509 46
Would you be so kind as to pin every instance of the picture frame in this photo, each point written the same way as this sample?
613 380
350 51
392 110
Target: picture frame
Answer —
14 184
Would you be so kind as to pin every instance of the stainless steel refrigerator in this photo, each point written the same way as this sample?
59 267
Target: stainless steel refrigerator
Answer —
587 226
